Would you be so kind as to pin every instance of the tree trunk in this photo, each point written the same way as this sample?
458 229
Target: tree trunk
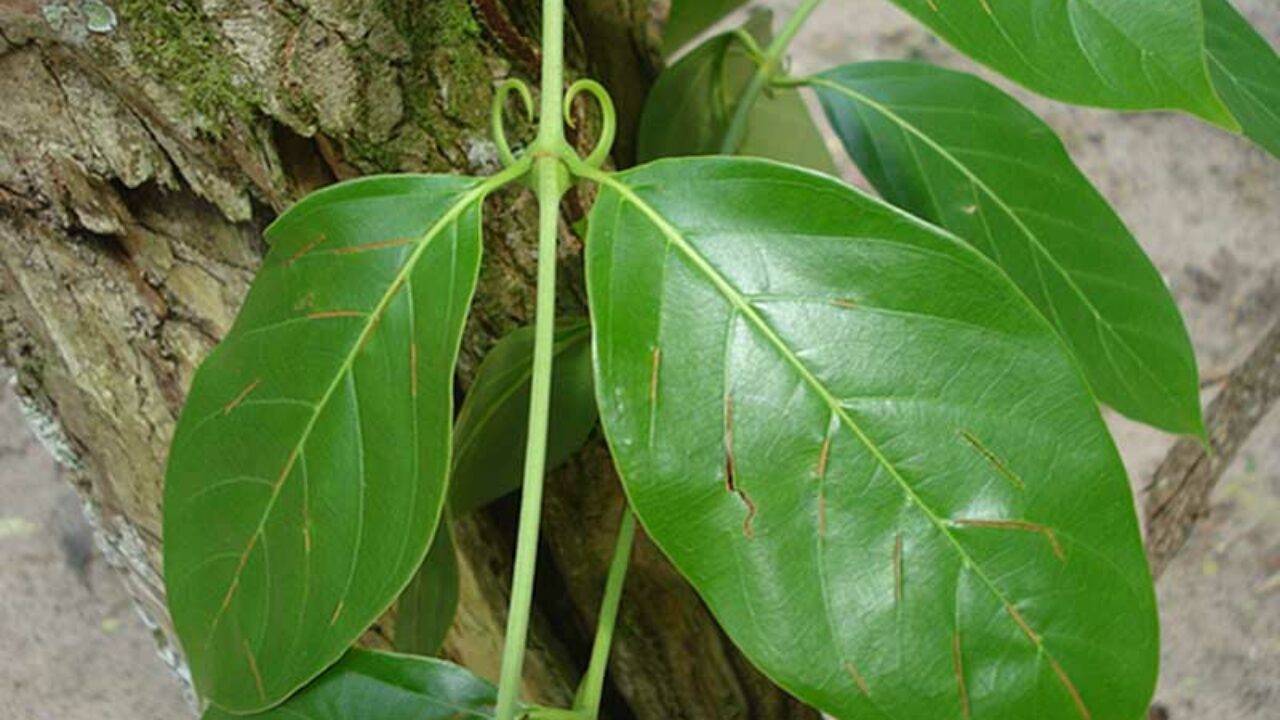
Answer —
144 146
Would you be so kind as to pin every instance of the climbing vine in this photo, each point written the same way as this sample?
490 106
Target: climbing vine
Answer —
865 430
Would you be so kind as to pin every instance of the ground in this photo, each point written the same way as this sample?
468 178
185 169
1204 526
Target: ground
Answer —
74 648
1203 204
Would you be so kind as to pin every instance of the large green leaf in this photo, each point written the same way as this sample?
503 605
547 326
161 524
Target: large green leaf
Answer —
867 451
380 686
308 471
690 17
1126 54
690 107
950 148
494 421
429 603
1246 72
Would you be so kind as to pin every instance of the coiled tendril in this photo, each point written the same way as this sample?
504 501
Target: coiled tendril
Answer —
609 118
498 111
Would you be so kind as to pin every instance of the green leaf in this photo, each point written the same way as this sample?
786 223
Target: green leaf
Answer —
493 424
689 109
427 606
956 151
1124 54
368 685
296 505
866 450
782 128
1246 72
689 18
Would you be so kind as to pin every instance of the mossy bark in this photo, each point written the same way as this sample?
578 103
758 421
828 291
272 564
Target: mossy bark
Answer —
142 152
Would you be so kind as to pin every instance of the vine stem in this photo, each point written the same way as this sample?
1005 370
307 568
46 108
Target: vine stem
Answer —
550 179
765 72
588 702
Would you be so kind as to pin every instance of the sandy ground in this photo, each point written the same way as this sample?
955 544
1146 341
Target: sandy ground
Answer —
1205 205
71 646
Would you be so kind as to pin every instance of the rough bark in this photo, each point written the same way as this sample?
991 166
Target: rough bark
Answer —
1178 496
141 153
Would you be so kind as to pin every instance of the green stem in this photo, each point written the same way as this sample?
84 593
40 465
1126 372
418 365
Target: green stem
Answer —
550 179
550 129
588 702
765 72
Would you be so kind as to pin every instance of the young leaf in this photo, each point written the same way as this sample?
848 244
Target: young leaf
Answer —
1124 54
493 424
690 17
871 456
308 471
689 109
428 604
1246 72
955 150
368 685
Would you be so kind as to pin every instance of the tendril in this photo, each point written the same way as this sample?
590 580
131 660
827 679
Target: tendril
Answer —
609 118
748 42
499 110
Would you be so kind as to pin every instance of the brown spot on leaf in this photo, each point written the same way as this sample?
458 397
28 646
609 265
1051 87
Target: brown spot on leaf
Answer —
747 528
304 250
370 247
253 668
730 483
235 402
852 671
1071 689
305 301
823 455
326 314
368 334
1018 525
1017 617
995 460
413 369
655 361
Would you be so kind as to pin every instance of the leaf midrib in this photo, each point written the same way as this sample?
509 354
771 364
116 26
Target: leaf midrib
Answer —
1031 236
477 193
730 293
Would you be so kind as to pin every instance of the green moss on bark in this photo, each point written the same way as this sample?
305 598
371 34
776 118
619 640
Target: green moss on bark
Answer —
173 42
446 84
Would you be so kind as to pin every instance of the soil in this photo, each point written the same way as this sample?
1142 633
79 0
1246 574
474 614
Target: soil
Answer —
1204 204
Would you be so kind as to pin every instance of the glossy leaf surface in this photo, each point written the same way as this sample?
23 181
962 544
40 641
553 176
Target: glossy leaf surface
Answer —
690 17
691 105
1246 72
494 421
429 603
309 468
960 153
867 451
1124 54
368 685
